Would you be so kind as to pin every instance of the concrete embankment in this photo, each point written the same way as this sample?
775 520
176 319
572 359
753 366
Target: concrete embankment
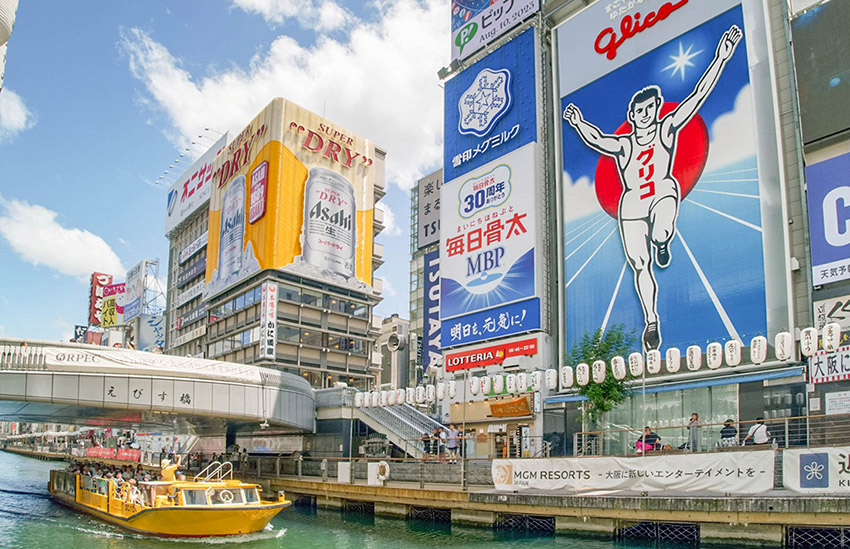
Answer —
771 519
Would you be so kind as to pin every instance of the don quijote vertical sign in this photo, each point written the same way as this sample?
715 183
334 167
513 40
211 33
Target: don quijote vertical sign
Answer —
98 282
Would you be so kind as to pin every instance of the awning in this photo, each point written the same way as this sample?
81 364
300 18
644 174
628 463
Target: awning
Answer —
696 384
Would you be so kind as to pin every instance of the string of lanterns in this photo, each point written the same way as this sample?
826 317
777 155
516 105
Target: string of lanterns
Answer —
635 365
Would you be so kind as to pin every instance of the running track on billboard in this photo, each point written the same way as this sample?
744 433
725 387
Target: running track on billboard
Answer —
719 279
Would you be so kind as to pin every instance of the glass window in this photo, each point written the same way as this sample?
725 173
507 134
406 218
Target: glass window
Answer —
288 333
251 495
309 297
239 303
246 337
360 310
194 497
249 298
312 337
227 496
288 293
335 342
226 308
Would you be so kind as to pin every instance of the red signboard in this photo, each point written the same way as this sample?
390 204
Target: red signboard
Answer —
486 356
100 452
98 282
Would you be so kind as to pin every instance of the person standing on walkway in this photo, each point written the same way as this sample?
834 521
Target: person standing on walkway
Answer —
441 439
694 433
451 443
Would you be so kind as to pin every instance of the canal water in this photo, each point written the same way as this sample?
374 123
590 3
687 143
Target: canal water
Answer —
30 519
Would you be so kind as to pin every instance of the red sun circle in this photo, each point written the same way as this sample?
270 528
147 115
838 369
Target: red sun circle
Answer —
688 164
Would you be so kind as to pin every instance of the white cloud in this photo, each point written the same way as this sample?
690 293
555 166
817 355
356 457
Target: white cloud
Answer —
380 82
388 289
579 197
33 233
732 138
15 117
324 16
390 226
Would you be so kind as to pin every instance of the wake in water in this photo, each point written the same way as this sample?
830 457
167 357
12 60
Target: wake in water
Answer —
25 493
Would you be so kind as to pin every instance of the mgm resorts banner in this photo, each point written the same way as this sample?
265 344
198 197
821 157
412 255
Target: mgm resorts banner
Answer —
292 191
817 470
721 472
671 188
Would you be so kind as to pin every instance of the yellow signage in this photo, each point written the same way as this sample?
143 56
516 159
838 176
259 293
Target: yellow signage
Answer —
292 191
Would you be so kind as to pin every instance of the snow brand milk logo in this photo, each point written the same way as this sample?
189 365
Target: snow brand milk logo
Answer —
484 102
330 232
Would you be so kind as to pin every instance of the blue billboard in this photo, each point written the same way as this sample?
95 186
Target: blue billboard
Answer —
490 107
828 194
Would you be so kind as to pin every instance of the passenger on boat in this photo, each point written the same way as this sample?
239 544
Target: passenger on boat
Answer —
169 469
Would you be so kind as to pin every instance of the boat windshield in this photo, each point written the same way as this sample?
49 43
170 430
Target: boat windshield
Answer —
225 496
251 495
194 497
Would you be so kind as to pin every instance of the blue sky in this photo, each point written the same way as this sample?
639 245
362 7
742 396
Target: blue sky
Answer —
98 102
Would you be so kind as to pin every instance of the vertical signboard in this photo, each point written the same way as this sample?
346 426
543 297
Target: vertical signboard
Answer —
489 204
431 326
268 320
429 209
476 23
135 289
112 308
192 189
292 191
828 195
671 195
151 333
98 282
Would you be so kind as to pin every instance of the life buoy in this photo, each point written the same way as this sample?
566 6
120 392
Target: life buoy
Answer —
383 471
226 496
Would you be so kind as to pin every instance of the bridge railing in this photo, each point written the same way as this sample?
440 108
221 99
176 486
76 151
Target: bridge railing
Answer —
21 355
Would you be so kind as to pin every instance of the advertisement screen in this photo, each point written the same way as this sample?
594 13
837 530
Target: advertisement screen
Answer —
292 191
670 214
135 290
828 194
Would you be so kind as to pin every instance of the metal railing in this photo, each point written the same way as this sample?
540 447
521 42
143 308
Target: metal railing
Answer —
787 432
21 355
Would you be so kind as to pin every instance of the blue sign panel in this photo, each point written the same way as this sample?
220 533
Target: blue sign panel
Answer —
514 318
431 329
828 192
814 470
491 107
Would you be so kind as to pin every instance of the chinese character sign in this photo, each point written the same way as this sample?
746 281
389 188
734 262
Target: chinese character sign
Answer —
669 214
817 470
98 282
268 320
828 195
152 334
476 23
192 189
429 209
489 235
491 107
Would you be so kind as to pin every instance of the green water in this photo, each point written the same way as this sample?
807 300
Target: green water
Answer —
30 519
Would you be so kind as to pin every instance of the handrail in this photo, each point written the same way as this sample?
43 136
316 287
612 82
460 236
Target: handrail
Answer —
215 471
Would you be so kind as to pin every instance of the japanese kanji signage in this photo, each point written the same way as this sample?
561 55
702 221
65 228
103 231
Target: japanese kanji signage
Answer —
152 332
836 309
817 470
826 367
476 23
491 107
487 261
721 472
828 195
98 282
429 209
192 189
268 320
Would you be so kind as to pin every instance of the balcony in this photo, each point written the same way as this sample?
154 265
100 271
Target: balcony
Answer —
378 218
378 286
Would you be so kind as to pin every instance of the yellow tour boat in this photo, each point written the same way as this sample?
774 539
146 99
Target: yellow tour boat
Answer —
211 504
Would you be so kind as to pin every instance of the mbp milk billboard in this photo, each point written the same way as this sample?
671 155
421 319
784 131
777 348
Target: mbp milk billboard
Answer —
292 191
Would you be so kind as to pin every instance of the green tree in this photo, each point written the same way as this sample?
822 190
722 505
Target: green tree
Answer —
602 397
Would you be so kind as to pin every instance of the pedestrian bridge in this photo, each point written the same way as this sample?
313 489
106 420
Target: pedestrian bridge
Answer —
47 382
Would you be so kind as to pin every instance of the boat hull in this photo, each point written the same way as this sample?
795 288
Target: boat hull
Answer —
187 522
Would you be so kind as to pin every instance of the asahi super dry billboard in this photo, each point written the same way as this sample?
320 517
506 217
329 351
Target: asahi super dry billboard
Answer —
292 191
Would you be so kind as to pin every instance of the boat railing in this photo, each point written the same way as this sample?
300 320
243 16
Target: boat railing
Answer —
215 471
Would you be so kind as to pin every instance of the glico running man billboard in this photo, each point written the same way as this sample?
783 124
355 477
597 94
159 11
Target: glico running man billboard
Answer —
672 203
292 191
489 204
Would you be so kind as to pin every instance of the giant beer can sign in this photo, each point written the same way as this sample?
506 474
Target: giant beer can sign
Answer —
295 192
330 232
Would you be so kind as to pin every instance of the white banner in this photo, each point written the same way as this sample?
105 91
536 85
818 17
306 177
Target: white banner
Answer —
817 470
742 472
268 320
192 189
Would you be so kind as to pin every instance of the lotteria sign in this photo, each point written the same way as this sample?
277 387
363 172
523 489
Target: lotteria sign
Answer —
487 356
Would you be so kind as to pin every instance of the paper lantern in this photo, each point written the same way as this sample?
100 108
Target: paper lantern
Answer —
510 383
693 357
383 398
358 400
486 385
430 393
618 367
758 349
522 382
566 377
597 371
400 396
809 341
391 397
673 360
783 345
420 394
636 364
474 385
583 374
498 384
536 380
376 399
732 350
714 355
452 388
831 337
410 395
441 390
653 361
551 379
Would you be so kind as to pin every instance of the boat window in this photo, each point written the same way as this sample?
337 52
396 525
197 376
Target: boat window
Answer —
251 495
194 497
226 496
